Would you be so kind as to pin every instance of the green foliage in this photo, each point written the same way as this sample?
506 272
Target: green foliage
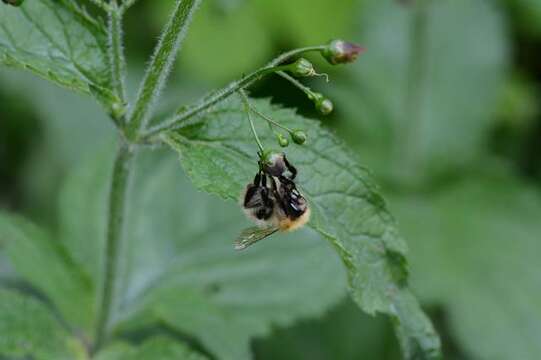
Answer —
218 154
42 261
189 275
187 279
260 24
237 25
29 330
160 66
56 40
190 278
472 230
158 348
343 333
421 103
475 245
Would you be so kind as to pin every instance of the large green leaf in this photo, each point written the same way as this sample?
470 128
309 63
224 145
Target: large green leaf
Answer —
29 330
157 348
179 266
417 115
41 260
475 252
57 40
218 153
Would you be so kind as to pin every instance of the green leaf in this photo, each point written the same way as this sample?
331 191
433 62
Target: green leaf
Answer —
41 260
475 252
157 348
219 155
461 69
179 265
29 330
58 41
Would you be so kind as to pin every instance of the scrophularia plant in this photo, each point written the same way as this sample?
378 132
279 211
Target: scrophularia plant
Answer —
340 201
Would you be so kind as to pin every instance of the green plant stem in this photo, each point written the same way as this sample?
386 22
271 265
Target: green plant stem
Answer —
117 203
160 66
180 116
268 119
247 108
116 51
296 83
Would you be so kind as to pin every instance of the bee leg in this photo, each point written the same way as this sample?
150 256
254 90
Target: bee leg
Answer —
252 190
290 168
257 179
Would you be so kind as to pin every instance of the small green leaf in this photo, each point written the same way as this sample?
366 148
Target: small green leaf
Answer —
58 41
217 152
43 262
29 330
157 348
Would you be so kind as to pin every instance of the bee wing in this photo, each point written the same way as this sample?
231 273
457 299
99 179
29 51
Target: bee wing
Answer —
252 235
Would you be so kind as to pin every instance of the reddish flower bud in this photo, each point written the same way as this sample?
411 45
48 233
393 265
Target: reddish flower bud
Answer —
341 52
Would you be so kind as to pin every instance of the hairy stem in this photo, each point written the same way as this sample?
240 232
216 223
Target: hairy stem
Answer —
179 117
160 66
116 51
117 202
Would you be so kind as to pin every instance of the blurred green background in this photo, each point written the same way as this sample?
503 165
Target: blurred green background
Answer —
443 107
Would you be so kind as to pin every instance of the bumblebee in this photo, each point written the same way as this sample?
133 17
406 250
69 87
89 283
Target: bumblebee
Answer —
272 201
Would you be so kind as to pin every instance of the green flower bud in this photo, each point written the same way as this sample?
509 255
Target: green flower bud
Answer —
302 68
341 52
323 105
13 2
298 136
282 140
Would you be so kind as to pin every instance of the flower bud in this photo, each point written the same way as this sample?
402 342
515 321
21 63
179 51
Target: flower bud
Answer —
323 105
13 2
298 137
282 140
302 68
341 52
